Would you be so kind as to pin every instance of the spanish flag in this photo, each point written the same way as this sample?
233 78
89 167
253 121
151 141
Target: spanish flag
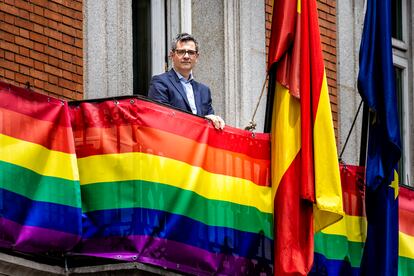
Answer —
305 173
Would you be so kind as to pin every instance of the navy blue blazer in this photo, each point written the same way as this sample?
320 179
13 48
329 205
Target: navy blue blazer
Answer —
166 88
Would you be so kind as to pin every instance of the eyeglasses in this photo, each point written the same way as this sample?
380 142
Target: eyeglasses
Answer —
182 52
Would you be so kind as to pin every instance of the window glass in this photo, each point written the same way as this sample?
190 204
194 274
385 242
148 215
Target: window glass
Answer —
141 31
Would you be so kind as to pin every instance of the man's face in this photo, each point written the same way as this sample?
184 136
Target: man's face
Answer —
184 57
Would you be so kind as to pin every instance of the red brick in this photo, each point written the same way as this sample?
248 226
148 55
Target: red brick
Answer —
79 87
24 14
68 49
41 3
52 88
79 34
7 36
52 24
68 66
54 43
24 42
10 28
52 33
38 28
53 52
38 84
38 47
9 56
67 20
53 70
67 75
38 56
79 43
24 60
9 74
38 19
38 37
77 78
20 78
39 65
78 24
53 7
9 9
25 5
9 46
38 10
67 57
53 79
79 70
24 70
38 74
25 24
67 84
67 29
75 5
53 61
68 39
24 33
53 15
9 18
77 60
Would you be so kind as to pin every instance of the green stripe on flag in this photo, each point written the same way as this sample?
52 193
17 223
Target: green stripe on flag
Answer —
143 194
337 247
38 187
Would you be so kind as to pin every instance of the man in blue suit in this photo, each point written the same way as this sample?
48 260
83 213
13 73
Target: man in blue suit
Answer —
177 86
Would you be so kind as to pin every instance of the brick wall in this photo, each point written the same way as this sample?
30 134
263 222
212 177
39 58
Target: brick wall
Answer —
327 25
41 43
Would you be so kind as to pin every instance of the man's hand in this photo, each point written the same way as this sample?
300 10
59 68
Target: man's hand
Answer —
218 122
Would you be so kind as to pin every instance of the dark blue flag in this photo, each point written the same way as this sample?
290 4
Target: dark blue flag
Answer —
376 85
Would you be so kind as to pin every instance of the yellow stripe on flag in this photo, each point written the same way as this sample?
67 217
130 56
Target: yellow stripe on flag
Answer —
286 141
153 168
406 245
328 192
38 158
352 227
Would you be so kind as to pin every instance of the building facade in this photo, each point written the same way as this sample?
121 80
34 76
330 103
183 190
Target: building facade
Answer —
86 49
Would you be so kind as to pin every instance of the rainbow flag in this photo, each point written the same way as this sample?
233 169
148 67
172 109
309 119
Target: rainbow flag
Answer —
40 206
163 187
406 232
339 247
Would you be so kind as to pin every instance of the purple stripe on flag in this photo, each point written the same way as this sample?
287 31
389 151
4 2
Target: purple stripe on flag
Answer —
34 239
172 255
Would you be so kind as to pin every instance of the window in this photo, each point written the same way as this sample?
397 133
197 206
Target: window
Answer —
155 23
402 59
141 31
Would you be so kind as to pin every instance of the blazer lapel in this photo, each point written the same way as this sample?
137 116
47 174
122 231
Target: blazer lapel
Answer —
177 84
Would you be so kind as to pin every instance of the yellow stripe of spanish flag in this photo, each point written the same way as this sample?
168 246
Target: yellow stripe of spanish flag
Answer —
329 206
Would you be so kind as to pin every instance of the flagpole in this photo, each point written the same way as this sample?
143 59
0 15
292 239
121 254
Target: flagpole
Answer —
364 136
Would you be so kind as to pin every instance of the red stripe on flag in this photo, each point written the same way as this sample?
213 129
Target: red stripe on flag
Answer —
406 211
294 221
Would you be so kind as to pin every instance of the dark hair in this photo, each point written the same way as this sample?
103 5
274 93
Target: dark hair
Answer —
181 38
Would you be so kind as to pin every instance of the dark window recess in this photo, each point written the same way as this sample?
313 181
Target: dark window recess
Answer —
399 90
141 31
396 19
